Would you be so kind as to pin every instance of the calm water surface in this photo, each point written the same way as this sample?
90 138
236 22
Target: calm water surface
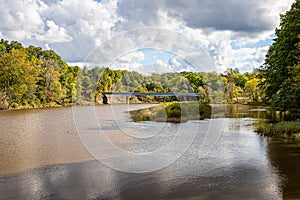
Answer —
44 155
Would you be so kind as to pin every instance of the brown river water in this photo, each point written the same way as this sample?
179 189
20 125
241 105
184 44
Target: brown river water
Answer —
100 153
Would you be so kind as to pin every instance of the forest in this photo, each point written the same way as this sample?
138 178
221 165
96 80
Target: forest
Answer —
31 77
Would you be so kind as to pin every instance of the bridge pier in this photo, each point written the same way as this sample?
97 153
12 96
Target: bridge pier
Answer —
127 99
104 99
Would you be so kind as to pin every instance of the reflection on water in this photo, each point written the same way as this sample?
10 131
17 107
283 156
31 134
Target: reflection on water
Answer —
241 164
257 112
286 158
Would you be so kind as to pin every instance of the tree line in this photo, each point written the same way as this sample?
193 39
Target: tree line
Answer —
33 77
281 71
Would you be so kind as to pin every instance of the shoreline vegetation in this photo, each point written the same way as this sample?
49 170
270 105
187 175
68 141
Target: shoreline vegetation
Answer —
31 77
175 112
286 130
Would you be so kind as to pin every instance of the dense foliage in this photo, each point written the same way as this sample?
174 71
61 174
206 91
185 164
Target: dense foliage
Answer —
175 112
285 129
281 71
33 77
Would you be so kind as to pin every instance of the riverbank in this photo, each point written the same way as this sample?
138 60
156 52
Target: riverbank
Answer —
289 130
175 112
29 106
16 106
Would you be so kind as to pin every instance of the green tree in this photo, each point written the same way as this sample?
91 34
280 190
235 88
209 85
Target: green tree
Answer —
107 80
49 86
195 79
6 46
17 76
281 68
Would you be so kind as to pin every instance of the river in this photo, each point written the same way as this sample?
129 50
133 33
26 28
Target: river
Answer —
100 153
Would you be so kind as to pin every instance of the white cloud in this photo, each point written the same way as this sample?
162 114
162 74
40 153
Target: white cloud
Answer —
129 61
54 33
21 19
227 21
132 57
155 68
88 22
95 32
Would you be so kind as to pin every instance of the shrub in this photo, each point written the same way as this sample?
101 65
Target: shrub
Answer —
173 112
286 129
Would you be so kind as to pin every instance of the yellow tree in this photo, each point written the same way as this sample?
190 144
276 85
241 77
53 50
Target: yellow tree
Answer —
251 87
17 76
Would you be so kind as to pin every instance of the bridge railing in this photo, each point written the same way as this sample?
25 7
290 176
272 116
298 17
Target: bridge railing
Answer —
107 95
152 94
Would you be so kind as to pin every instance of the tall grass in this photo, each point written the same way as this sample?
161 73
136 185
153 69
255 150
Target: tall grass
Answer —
286 129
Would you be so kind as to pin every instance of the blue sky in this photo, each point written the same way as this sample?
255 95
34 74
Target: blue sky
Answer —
211 35
260 43
151 55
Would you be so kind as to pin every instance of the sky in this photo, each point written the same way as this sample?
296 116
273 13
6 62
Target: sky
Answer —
147 36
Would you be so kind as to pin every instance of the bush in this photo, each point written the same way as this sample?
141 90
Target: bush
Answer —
14 105
173 112
287 130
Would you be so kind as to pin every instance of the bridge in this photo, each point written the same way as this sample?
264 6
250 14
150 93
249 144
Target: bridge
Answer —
107 95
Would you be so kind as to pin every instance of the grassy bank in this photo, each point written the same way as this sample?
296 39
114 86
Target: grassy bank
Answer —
15 106
175 112
285 130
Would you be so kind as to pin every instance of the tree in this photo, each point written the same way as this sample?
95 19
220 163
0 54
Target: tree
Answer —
107 81
6 46
50 89
17 76
251 87
195 79
281 68
234 84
